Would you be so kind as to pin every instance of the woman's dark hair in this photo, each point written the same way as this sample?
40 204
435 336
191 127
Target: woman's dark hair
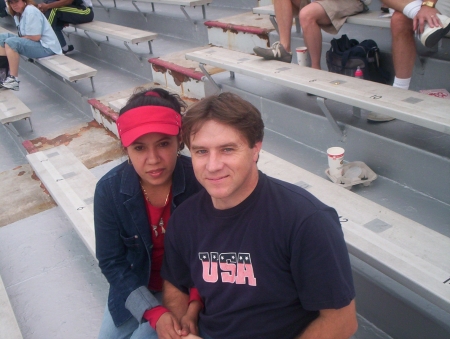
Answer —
147 97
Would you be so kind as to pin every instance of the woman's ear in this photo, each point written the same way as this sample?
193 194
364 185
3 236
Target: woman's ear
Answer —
180 143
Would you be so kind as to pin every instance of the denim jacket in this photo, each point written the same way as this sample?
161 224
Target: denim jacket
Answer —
123 238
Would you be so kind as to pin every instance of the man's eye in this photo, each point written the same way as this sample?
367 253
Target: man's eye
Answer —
200 151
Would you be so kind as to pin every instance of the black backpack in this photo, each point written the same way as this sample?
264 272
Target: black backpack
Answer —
345 55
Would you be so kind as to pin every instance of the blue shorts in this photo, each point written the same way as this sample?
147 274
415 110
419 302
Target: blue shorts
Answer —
26 47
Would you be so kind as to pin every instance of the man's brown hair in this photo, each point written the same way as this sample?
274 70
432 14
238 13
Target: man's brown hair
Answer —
228 109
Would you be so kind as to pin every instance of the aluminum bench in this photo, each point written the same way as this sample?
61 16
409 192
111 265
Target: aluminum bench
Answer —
404 250
127 35
181 3
68 69
71 185
413 107
12 109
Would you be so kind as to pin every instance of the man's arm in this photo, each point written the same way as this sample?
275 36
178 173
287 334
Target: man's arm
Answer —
333 324
175 300
43 7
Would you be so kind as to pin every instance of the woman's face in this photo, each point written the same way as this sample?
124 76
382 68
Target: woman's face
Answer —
18 6
154 157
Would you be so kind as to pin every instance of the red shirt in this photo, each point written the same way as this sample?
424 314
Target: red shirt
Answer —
154 216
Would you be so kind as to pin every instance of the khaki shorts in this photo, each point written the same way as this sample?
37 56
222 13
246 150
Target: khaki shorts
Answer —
337 11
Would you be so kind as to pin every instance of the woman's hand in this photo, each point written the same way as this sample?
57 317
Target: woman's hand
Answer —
168 327
189 322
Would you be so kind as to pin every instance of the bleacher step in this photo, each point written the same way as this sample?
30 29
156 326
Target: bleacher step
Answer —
240 32
182 76
9 329
71 185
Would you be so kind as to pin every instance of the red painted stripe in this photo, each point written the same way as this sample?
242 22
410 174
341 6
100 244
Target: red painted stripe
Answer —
177 68
239 28
105 110
29 146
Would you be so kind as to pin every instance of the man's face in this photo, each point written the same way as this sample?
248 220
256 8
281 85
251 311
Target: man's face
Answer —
224 163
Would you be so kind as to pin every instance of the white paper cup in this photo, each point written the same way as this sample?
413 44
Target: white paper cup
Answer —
336 161
302 56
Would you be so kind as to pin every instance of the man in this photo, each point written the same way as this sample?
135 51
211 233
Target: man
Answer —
430 19
267 258
60 13
328 15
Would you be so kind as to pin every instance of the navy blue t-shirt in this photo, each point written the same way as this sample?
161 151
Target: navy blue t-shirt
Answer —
265 267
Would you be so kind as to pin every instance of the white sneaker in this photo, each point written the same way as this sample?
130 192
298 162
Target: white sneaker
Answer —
379 117
431 36
11 83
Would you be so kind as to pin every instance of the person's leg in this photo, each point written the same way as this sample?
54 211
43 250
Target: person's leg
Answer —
403 47
399 5
57 28
109 331
311 17
13 60
280 50
61 16
284 14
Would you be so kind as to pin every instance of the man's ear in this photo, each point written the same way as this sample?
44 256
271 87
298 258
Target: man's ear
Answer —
256 149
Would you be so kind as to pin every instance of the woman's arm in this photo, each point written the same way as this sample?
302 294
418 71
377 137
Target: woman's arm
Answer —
32 37
112 248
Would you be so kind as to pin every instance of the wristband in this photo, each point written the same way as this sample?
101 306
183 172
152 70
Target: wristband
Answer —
194 295
153 315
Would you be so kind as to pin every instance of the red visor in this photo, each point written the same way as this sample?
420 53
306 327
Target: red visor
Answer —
147 119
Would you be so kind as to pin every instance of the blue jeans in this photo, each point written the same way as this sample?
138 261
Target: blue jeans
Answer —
131 329
26 47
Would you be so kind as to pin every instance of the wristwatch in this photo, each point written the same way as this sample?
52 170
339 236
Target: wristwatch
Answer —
429 4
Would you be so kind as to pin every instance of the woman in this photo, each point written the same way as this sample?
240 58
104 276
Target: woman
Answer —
36 39
132 205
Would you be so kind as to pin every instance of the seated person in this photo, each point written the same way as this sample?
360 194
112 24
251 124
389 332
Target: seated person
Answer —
36 39
430 19
328 15
268 259
132 205
60 13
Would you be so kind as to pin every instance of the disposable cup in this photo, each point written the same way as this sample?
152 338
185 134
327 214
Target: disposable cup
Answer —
336 161
302 56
